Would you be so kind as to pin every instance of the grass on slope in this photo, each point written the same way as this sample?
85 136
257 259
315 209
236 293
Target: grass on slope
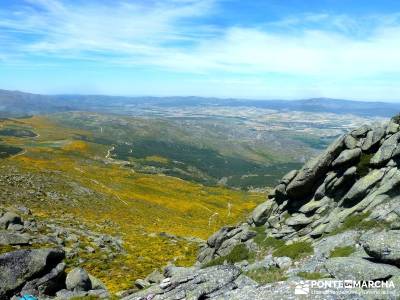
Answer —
116 200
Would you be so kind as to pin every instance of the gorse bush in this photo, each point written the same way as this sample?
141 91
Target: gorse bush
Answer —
263 276
342 251
295 251
363 165
238 253
278 247
265 242
359 222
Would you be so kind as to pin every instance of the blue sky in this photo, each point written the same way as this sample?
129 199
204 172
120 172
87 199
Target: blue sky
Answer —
266 49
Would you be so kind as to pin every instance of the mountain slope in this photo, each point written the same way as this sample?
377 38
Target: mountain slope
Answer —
61 177
337 218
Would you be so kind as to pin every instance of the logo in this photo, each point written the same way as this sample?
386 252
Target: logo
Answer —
302 288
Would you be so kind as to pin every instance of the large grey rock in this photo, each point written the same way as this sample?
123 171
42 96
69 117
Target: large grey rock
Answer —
314 205
389 149
348 178
373 137
262 212
325 245
313 170
350 141
141 283
384 245
201 284
361 131
155 277
78 280
356 268
224 240
244 281
174 271
9 218
298 219
288 177
217 238
96 283
347 157
362 186
285 290
11 238
92 294
18 267
49 284
392 127
283 262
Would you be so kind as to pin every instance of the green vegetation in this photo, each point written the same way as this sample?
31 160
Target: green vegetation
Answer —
17 132
295 251
313 141
363 165
278 248
202 165
239 253
263 276
6 248
359 222
265 242
342 251
311 275
7 150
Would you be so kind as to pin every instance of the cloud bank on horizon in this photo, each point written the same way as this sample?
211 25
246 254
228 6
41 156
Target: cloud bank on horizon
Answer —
225 48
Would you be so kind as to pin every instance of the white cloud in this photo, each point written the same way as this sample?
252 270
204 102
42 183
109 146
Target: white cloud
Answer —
165 34
118 28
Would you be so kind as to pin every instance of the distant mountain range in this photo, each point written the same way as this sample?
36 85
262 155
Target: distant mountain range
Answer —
20 103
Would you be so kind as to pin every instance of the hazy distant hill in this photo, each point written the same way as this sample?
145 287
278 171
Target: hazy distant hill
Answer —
20 103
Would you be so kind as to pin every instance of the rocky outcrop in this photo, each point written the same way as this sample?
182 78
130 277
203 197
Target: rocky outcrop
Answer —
356 268
23 229
9 218
358 174
42 272
383 246
78 280
19 267
201 284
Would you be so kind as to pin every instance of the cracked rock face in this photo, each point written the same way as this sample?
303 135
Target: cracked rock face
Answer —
42 272
200 284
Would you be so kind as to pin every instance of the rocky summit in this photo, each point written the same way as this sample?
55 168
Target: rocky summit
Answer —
333 222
